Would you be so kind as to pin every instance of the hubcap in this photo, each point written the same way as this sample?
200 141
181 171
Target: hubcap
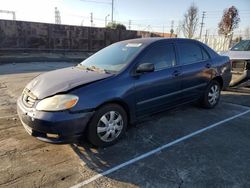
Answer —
110 126
213 94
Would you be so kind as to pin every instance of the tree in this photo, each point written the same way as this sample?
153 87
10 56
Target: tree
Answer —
190 21
112 25
229 21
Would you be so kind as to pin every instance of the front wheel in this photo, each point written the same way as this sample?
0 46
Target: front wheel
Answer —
212 95
107 125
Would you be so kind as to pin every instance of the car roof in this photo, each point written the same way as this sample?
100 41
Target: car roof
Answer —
151 40
147 41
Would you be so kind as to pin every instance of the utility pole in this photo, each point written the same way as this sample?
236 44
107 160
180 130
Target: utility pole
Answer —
206 36
106 19
129 24
172 29
112 12
202 23
91 19
57 16
14 15
149 28
178 29
163 28
82 22
9 12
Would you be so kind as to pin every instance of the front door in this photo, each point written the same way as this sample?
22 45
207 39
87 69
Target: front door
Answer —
159 89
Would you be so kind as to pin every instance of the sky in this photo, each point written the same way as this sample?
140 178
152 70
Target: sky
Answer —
147 15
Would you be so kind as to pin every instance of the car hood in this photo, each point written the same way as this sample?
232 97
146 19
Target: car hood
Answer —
237 54
62 80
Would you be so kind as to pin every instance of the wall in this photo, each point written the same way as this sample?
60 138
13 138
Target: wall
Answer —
20 35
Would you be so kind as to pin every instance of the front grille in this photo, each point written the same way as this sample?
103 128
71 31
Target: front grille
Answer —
28 98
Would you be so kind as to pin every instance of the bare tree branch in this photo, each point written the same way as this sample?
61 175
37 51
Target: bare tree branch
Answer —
190 21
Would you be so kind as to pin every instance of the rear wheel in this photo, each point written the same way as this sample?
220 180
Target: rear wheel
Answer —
107 125
212 95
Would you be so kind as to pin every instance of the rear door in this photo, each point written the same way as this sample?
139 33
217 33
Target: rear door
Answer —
196 69
159 89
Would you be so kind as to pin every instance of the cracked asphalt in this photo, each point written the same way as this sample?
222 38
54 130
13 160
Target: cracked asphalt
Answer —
219 157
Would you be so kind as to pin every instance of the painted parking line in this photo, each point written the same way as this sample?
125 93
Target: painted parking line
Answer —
154 151
9 116
236 105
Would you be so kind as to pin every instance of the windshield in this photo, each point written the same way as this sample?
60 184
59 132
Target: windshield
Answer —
242 46
112 58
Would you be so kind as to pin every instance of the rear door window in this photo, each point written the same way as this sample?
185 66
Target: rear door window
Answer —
205 54
190 53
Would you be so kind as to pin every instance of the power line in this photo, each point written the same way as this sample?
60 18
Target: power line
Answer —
132 23
99 2
104 2
216 11
218 17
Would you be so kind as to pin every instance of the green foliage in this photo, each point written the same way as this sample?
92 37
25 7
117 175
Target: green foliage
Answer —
116 26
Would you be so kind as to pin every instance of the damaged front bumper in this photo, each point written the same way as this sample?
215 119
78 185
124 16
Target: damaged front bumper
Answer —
53 127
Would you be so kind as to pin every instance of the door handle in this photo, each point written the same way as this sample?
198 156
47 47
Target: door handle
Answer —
208 65
176 73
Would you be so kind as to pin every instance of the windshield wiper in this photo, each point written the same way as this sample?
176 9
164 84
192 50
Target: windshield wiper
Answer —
93 68
85 67
100 70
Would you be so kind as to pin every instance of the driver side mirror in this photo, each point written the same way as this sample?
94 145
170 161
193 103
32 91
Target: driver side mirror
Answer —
145 67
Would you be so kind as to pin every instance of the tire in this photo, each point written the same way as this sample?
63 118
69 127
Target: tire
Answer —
211 96
107 126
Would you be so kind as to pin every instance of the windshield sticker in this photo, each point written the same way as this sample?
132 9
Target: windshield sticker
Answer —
134 45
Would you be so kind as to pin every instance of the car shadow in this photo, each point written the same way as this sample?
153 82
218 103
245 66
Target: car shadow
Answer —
139 138
240 96
148 134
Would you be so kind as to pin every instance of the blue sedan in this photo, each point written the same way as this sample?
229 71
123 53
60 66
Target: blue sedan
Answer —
121 84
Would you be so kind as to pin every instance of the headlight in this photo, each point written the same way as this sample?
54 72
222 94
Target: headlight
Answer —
57 103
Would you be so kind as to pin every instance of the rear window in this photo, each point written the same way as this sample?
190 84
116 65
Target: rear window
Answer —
242 46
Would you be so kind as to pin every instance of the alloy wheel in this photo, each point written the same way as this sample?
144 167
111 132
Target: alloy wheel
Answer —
110 126
213 94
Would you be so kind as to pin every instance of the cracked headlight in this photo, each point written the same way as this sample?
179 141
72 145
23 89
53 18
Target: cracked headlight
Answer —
57 103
